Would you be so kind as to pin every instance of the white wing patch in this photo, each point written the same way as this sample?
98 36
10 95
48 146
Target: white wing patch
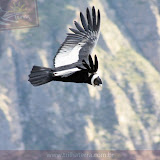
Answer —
68 55
66 72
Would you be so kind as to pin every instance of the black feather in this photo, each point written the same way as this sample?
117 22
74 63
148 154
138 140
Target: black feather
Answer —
86 65
78 27
91 62
90 25
94 18
98 21
96 64
83 21
74 30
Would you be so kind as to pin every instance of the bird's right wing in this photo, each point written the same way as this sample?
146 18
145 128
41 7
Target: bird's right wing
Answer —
79 44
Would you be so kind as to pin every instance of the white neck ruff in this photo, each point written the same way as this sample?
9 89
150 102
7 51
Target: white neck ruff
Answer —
93 78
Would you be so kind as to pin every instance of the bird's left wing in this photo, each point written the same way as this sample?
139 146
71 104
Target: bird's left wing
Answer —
79 44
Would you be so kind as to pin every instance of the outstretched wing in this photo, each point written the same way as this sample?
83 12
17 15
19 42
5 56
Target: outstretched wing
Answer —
79 44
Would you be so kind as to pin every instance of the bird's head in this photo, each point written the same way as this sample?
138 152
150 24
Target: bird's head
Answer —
92 68
95 80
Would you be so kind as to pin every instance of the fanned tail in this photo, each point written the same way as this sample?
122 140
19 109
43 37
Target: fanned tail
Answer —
40 75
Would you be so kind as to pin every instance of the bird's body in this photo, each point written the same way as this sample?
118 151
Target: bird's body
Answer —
77 77
72 58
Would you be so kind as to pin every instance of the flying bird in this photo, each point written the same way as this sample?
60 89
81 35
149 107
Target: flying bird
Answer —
73 61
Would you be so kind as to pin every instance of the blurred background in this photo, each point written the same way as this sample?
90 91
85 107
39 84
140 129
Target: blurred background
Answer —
123 114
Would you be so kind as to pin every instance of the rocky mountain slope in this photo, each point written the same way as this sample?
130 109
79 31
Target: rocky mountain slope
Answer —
124 114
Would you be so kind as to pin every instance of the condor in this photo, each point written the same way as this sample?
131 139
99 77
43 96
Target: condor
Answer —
73 61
